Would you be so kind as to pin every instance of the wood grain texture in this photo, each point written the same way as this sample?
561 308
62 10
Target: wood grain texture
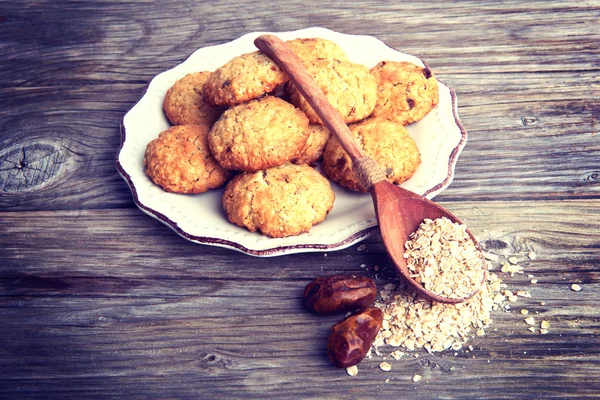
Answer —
202 315
97 300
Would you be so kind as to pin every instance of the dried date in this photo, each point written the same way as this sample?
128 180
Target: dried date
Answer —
339 293
350 340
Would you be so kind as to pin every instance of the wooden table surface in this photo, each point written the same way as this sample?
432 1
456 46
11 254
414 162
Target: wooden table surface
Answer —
98 300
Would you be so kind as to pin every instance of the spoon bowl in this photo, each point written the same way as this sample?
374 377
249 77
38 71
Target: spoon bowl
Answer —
399 211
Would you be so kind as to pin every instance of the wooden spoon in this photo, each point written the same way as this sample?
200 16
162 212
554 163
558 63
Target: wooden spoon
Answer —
399 211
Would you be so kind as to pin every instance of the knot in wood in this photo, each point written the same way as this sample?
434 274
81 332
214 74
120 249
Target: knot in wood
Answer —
528 120
368 171
593 177
31 166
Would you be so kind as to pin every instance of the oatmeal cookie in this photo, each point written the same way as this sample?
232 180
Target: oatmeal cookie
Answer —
259 134
318 135
349 87
243 78
308 49
280 201
184 104
405 92
179 161
387 142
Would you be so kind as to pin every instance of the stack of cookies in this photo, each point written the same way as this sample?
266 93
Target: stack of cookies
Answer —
246 125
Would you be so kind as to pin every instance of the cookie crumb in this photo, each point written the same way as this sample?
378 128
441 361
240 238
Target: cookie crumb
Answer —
530 321
532 255
513 260
531 329
543 331
352 371
575 287
416 378
534 281
524 312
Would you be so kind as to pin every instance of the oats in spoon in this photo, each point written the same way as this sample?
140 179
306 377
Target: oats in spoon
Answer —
444 259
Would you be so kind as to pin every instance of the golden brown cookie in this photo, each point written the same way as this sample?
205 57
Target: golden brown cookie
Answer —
184 104
259 134
318 135
280 201
387 142
308 49
405 92
349 87
243 78
179 161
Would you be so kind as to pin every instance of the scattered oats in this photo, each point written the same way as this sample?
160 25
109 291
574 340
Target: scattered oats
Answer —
534 281
491 256
361 247
531 329
530 321
524 311
363 265
512 269
385 366
512 299
530 275
508 293
543 303
416 378
575 287
532 255
471 348
513 260
523 293
387 380
543 331
352 371
415 322
544 324
444 258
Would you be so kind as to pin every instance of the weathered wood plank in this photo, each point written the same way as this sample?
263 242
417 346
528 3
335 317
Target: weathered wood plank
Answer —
200 314
546 149
469 36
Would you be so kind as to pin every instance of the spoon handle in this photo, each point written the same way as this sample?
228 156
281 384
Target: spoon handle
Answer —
286 59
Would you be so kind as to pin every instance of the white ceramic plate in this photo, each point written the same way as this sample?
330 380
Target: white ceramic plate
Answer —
199 218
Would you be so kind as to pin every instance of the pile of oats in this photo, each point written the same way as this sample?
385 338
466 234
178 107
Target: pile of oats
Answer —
414 322
444 259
